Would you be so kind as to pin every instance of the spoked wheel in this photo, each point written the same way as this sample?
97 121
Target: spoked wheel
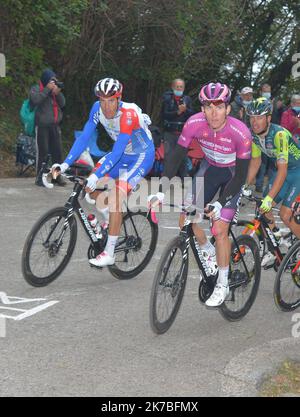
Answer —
136 245
243 282
287 281
168 285
49 247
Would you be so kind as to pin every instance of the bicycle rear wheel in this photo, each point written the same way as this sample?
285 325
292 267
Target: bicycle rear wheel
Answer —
168 285
243 285
136 245
287 282
49 247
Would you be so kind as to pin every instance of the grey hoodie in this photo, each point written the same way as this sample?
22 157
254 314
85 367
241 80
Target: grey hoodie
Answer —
44 102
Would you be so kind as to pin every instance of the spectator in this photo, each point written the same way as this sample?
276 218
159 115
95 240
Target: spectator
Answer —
291 117
176 109
280 109
241 101
49 102
266 91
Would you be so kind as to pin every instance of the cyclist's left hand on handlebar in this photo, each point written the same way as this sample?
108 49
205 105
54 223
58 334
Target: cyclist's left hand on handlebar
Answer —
213 210
266 204
57 169
246 192
91 183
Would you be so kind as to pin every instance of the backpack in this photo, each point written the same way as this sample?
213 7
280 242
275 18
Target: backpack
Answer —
27 115
25 150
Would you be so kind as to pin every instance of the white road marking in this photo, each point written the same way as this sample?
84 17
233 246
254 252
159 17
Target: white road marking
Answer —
7 300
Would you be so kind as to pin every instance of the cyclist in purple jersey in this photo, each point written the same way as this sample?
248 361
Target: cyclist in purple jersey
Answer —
226 143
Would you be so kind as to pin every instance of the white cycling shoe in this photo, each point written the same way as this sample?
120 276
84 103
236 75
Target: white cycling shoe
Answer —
268 259
103 259
218 296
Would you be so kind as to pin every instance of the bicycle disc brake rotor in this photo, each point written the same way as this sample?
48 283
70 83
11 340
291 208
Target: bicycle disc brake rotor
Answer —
134 242
237 278
53 249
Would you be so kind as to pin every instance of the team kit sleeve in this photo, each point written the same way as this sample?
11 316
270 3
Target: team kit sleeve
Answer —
81 143
243 155
128 122
255 151
281 142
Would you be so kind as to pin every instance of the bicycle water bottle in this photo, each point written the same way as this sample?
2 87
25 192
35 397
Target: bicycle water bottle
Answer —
95 225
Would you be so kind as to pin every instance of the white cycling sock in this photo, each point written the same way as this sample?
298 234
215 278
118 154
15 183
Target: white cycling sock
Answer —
223 276
110 245
209 248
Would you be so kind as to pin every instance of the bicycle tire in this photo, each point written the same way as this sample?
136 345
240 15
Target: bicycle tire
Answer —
279 299
224 309
30 276
161 326
118 269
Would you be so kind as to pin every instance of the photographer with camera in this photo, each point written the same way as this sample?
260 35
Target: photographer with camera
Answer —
176 109
48 100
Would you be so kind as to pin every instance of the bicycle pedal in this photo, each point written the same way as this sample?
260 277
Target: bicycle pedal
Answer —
95 266
266 267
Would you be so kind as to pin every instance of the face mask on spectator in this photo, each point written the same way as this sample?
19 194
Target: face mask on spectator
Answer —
178 93
296 108
246 103
266 94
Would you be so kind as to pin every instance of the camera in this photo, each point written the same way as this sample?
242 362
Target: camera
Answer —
59 84
181 100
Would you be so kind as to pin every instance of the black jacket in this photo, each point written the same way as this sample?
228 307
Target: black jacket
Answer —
171 120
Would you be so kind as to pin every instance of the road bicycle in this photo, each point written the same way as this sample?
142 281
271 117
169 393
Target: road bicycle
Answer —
51 241
287 282
259 229
172 272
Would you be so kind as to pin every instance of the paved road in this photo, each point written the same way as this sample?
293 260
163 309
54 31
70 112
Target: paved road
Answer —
96 340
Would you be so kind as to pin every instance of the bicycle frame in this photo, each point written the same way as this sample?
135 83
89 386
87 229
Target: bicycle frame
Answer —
191 240
261 224
73 206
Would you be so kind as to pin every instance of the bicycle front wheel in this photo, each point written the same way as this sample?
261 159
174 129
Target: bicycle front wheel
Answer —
168 285
49 247
136 245
287 282
243 281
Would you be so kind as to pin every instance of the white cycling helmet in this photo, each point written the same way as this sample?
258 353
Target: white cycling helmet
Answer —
108 87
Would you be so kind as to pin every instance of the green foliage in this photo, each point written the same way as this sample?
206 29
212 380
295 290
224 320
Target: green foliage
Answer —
145 43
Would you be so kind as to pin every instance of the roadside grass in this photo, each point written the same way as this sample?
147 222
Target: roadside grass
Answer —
285 381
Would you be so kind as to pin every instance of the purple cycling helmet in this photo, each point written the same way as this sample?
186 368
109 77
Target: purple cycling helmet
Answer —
215 92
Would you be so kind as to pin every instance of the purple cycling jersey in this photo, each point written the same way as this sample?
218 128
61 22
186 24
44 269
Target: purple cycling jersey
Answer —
220 148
